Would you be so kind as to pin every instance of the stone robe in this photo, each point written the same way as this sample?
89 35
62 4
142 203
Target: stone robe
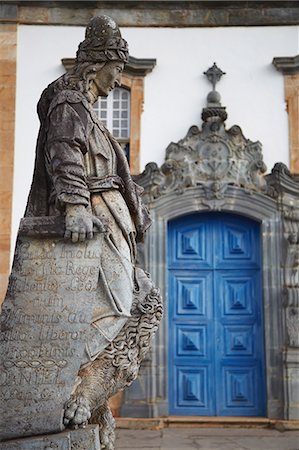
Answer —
79 162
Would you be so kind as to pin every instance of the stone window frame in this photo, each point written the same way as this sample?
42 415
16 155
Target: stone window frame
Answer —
8 57
289 67
133 80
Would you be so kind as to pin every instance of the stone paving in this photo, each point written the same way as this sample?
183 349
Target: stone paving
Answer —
207 439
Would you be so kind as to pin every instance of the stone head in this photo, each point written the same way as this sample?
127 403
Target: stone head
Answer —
101 56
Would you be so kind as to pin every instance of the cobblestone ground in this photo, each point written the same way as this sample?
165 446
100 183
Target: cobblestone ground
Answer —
207 439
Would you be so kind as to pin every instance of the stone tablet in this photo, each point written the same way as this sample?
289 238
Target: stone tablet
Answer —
44 326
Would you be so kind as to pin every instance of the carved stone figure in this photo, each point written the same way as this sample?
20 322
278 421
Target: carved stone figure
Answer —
82 189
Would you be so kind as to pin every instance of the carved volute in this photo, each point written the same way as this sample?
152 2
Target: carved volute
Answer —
212 157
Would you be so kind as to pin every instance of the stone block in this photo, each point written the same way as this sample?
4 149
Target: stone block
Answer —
8 12
8 37
80 439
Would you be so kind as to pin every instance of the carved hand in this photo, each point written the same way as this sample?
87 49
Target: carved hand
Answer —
79 223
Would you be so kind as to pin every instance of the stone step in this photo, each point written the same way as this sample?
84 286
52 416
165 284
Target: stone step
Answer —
159 423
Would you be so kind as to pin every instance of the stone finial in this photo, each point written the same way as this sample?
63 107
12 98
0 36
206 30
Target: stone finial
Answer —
214 75
214 108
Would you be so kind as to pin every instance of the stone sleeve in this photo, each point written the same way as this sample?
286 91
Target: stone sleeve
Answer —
66 146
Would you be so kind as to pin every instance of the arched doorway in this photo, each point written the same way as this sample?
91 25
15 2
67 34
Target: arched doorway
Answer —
216 333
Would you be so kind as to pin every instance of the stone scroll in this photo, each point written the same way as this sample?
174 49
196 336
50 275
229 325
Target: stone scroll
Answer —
44 326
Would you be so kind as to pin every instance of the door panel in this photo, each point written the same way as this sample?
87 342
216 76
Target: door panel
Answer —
193 291
215 311
189 246
194 388
190 335
237 244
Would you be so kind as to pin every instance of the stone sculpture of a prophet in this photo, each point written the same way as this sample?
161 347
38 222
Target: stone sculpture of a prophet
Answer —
78 314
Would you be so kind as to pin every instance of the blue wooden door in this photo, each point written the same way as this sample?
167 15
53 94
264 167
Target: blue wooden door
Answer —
216 347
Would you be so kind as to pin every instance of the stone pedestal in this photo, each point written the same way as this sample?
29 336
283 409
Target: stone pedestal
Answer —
81 439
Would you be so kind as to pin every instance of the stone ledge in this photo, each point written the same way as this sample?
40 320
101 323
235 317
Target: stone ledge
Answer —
154 13
288 65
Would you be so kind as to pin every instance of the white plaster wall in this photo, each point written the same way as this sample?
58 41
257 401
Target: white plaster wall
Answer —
175 92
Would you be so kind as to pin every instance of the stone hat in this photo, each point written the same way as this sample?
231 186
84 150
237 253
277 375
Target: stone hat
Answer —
103 42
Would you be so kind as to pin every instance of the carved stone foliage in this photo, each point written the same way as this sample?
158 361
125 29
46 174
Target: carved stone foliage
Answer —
285 188
213 158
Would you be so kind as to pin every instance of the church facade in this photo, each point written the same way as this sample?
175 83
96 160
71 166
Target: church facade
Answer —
224 242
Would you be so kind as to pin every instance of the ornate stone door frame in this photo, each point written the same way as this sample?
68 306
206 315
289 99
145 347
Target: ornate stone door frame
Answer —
237 201
214 169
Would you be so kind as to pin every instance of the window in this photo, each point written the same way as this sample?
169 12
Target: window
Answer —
114 112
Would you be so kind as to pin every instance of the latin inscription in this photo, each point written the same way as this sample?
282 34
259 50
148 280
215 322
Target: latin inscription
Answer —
26 251
45 322
45 351
29 376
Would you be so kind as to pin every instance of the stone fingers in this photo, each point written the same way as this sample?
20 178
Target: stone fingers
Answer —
79 233
75 236
82 234
67 234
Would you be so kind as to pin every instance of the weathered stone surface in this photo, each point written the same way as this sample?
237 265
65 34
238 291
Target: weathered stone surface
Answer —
81 439
44 327
153 13
9 12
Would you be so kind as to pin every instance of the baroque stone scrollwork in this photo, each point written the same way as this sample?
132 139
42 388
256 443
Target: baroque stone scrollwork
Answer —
213 158
284 188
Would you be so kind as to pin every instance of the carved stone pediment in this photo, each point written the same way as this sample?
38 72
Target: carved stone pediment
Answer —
280 180
212 157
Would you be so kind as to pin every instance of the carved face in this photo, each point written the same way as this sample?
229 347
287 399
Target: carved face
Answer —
107 78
